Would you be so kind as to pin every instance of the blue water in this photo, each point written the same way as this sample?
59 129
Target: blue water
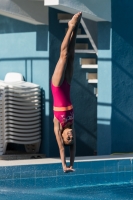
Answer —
101 192
95 180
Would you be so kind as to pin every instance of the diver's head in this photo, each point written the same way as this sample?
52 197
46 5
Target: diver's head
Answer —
67 136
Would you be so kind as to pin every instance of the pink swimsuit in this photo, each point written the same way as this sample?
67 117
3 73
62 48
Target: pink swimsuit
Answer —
63 109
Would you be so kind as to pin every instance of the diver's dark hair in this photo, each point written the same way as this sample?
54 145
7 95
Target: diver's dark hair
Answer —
66 145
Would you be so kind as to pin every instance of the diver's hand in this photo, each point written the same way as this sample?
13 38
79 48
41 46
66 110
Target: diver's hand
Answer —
68 169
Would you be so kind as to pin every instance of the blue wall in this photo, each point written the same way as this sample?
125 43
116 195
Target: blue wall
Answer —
122 76
25 49
34 51
115 76
82 94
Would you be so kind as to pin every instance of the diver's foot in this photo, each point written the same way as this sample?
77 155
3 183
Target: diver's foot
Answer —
75 20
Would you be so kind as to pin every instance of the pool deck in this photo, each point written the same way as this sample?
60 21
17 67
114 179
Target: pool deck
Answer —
13 162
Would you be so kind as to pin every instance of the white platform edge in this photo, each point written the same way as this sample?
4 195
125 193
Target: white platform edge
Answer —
57 160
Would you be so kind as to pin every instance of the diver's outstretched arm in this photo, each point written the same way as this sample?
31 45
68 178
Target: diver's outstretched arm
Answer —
73 150
60 143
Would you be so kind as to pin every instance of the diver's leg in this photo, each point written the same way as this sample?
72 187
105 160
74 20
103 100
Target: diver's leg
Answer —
59 72
71 50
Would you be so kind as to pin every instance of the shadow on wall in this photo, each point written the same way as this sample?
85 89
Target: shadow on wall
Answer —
104 30
104 136
119 71
122 106
8 25
122 20
34 10
85 111
122 125
43 119
122 76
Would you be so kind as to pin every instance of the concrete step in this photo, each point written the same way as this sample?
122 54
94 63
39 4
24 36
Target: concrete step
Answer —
89 66
84 51
82 36
93 81
88 63
64 16
63 21
81 46
92 77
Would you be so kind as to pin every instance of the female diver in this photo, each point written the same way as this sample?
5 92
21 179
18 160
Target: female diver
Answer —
60 86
